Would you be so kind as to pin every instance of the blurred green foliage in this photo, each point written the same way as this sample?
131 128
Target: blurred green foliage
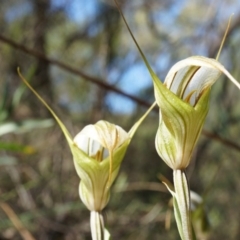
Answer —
42 187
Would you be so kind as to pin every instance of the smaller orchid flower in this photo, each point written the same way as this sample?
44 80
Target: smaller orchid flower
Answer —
98 151
105 145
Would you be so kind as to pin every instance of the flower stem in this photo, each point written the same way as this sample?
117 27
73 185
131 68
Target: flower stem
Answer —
97 225
183 203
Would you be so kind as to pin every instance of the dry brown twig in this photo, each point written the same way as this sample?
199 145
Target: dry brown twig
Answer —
25 234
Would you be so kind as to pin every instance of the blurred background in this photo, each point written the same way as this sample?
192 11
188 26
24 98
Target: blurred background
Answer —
80 57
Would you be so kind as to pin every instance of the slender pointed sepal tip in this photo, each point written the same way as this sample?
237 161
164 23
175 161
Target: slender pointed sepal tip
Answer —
224 37
60 123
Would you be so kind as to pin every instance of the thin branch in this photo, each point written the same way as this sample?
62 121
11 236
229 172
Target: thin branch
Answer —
101 83
25 234
95 80
222 140
143 186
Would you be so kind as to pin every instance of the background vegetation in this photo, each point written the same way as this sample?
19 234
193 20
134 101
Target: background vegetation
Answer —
79 56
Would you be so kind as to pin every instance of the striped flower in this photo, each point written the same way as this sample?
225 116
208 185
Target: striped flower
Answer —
183 100
98 152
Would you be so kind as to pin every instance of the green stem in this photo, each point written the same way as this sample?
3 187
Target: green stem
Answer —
97 225
183 202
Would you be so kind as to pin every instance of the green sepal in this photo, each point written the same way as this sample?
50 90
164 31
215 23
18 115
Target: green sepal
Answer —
179 126
94 186
63 128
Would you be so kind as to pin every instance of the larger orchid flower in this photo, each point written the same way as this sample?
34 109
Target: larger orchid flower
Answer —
183 102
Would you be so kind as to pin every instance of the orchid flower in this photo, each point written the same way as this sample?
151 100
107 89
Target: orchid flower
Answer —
104 144
183 101
98 151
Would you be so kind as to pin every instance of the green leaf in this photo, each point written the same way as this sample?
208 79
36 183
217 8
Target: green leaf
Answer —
24 126
14 147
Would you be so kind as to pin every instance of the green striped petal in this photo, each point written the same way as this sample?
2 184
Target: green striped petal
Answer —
183 100
180 125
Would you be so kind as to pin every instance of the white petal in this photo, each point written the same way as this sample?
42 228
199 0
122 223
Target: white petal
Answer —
174 83
90 132
90 146
189 77
203 78
82 142
94 138
86 142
